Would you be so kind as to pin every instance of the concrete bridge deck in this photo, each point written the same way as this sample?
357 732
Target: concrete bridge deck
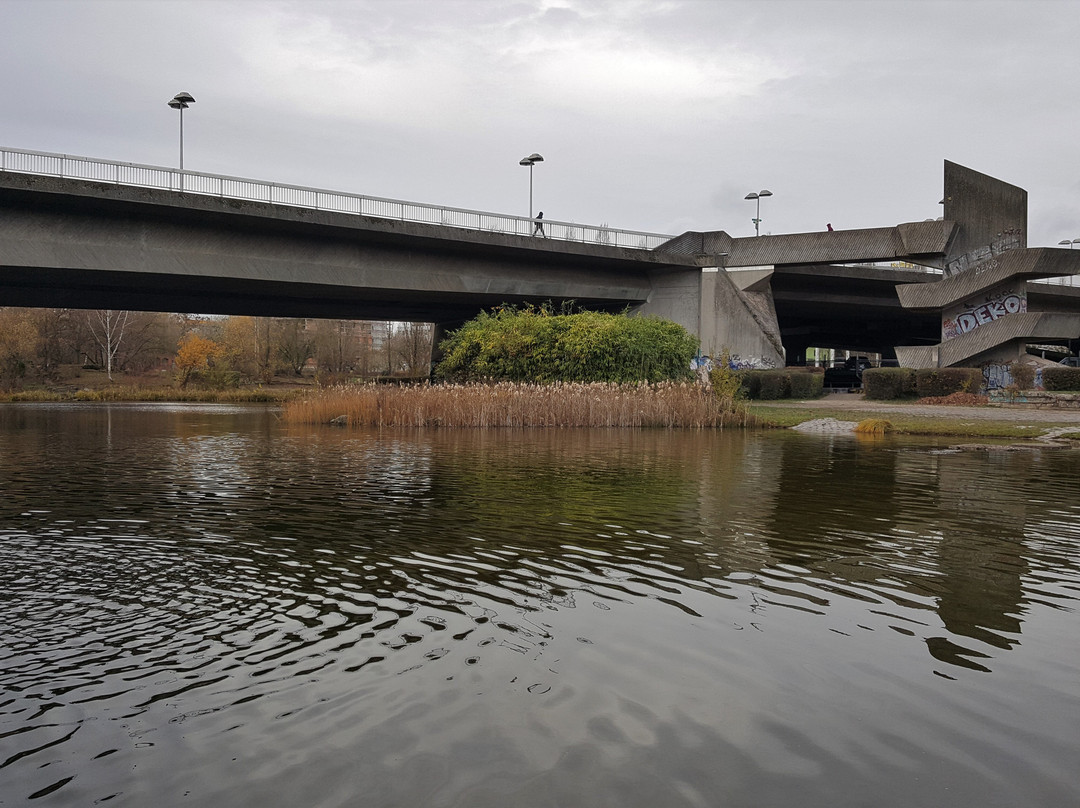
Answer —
86 243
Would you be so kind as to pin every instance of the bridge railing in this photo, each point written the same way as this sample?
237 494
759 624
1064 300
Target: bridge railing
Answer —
193 182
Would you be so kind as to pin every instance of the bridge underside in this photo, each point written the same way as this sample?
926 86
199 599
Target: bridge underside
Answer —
845 307
36 287
88 245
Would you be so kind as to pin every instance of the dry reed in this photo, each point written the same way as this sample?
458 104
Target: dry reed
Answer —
875 426
507 404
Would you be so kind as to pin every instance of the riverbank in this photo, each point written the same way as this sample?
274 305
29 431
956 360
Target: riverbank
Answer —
914 418
135 394
671 406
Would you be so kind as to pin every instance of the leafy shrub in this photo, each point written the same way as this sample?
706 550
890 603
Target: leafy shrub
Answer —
792 382
1023 375
536 344
887 384
805 382
939 382
751 383
1061 378
774 384
726 383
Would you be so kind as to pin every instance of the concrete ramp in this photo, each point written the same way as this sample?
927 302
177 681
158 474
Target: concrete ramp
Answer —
1001 340
924 243
1026 265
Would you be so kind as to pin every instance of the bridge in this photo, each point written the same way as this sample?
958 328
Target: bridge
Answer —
78 232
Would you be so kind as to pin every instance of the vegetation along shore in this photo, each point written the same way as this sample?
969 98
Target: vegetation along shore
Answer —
509 368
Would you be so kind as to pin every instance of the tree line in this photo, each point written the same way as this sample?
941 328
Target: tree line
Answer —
44 346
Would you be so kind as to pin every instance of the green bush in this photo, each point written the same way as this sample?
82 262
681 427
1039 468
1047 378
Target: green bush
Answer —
936 382
793 382
887 384
537 345
751 383
1023 375
726 381
805 382
774 384
1061 378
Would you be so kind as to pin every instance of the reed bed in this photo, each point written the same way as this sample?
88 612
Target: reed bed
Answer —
875 426
518 405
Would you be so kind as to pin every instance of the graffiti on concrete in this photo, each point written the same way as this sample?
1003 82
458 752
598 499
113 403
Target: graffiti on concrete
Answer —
735 362
1011 239
701 364
996 376
971 314
750 363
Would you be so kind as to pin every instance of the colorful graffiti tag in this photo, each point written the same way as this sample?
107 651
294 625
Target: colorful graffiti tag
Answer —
735 362
969 315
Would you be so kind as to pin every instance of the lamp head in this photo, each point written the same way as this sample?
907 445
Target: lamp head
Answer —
181 101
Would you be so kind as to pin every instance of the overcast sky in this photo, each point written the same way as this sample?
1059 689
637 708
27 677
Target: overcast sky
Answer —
651 115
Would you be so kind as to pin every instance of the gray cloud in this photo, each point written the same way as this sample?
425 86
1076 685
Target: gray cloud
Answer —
651 115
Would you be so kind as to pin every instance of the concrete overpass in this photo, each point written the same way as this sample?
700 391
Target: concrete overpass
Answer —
155 239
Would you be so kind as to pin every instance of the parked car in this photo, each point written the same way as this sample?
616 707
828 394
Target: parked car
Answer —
1071 361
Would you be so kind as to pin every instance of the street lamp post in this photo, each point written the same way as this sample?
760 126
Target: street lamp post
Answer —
181 101
1067 243
757 215
530 161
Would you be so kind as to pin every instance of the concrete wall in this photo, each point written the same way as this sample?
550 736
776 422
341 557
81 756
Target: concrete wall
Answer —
983 208
707 303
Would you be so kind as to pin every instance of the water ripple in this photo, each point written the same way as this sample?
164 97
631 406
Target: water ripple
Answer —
219 608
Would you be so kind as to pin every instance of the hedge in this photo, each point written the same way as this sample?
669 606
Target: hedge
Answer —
1023 375
936 382
887 384
793 382
1061 378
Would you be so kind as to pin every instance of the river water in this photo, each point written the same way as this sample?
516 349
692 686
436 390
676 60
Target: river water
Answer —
202 606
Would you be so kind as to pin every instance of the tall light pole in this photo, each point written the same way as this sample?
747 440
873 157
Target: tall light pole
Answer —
530 161
757 216
1069 244
181 101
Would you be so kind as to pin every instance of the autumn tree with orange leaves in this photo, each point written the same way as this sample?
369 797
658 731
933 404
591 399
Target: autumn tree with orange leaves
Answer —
195 355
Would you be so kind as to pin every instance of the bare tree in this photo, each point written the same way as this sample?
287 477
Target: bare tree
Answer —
107 328
411 348
294 344
334 345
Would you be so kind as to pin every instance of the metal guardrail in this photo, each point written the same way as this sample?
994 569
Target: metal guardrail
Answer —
193 182
1061 280
903 266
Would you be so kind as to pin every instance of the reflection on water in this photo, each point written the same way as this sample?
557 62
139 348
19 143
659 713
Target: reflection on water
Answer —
200 604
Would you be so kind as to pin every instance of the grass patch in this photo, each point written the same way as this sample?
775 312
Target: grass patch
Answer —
903 423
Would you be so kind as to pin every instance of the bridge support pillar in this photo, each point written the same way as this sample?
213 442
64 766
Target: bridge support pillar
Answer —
708 304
